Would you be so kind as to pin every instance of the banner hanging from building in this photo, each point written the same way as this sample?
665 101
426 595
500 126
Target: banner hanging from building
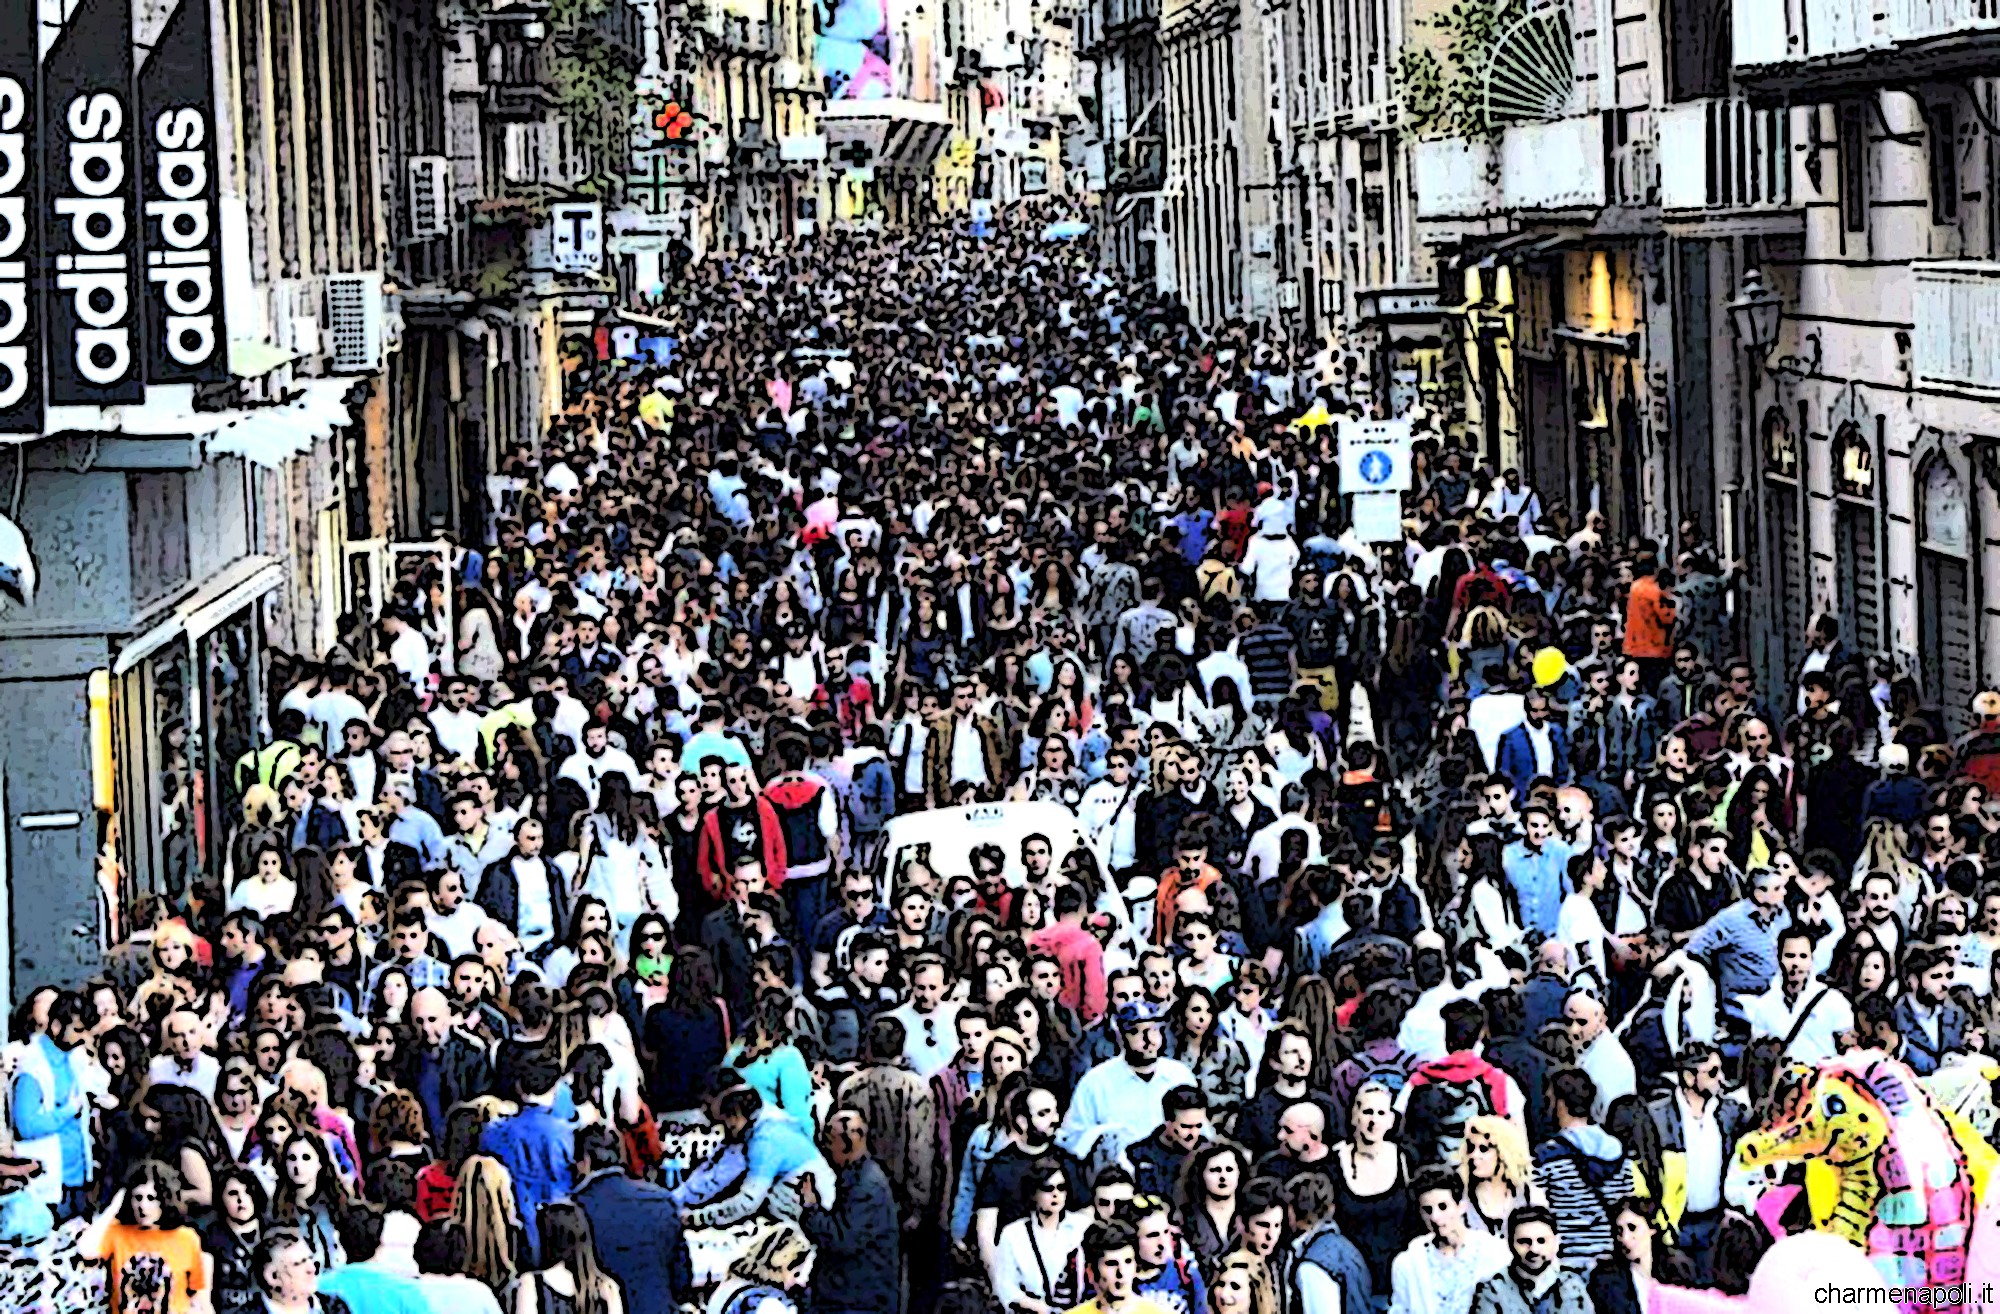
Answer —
90 256
186 338
20 163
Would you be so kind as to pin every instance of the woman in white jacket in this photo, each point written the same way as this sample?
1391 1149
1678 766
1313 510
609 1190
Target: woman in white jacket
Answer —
1038 1260
623 862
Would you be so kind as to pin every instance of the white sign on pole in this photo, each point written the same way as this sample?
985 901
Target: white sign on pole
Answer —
1374 456
1378 517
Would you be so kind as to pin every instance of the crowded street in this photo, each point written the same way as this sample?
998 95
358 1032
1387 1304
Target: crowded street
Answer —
922 800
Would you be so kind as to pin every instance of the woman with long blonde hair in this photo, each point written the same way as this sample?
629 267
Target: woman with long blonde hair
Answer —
485 1209
765 1279
1498 1172
1885 849
1242 1285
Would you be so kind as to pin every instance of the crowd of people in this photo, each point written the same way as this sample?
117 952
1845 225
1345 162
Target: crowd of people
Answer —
1342 928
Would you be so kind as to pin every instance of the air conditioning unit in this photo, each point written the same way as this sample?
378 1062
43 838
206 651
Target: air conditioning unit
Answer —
354 322
430 196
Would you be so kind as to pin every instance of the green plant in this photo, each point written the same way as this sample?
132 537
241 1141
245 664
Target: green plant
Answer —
594 85
1447 98
496 278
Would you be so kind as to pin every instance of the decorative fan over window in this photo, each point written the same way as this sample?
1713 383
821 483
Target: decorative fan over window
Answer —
1532 71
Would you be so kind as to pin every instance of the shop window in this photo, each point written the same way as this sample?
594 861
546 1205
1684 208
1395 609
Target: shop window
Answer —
1947 522
1781 445
1853 464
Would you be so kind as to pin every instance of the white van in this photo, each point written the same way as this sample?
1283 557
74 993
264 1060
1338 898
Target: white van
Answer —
944 838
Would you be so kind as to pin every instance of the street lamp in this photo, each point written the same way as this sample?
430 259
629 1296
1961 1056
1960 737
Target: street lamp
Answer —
1755 316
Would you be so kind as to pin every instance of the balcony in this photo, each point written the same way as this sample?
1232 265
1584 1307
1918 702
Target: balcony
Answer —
1139 165
1454 178
741 34
517 79
621 27
1956 306
1558 165
1784 46
1724 154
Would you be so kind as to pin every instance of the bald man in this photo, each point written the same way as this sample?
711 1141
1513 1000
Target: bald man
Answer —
1598 1051
1302 1146
444 1066
857 1270
185 1062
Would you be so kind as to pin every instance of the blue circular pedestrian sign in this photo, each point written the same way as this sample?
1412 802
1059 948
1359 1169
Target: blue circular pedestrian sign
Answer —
1376 467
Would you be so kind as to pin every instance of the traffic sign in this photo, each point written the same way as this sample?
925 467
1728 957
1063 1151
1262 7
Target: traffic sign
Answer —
1378 517
1374 456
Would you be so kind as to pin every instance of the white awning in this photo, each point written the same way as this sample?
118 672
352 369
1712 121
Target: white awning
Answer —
272 435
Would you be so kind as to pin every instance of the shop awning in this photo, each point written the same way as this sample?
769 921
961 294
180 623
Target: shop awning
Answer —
232 589
886 133
272 435
268 435
1512 248
253 358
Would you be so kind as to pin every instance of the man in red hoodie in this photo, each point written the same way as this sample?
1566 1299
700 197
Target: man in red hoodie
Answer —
809 823
1979 751
743 823
1440 1093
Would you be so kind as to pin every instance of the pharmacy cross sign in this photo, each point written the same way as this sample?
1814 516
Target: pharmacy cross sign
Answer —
664 174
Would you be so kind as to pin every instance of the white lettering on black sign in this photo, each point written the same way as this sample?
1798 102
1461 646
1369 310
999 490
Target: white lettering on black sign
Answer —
92 242
186 341
20 224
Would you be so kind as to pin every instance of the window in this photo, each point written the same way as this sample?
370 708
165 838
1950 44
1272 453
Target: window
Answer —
1781 445
1947 522
1854 167
1944 164
1853 464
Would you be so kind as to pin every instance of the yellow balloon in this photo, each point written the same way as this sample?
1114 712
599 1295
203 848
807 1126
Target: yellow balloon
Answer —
1550 666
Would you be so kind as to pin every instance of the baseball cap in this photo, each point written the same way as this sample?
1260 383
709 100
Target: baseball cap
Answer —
1139 1012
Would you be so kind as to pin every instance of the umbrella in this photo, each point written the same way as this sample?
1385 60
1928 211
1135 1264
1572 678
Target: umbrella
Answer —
1064 229
1315 417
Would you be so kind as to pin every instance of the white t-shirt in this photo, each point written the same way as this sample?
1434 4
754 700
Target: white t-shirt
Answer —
1269 562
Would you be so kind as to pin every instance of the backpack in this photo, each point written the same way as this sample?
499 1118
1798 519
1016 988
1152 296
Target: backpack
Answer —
749 1298
1434 1120
873 800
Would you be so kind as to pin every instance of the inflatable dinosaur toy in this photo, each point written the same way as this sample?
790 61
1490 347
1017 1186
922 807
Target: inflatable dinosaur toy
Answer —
1886 1167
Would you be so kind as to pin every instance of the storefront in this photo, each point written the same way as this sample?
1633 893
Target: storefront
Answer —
184 701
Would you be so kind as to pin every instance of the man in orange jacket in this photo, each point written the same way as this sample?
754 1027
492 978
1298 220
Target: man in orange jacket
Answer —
1649 620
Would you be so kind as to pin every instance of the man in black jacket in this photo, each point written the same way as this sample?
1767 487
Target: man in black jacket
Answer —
635 1226
500 889
1516 1054
1156 1161
444 1067
858 1268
